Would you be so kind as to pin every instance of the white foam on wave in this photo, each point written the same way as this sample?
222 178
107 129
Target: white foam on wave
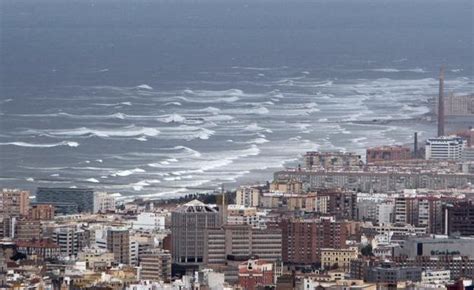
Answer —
30 179
138 186
33 145
259 110
188 150
118 115
296 138
206 162
142 139
128 172
114 104
129 131
144 87
258 141
93 180
172 104
210 99
212 110
186 132
254 127
209 96
395 70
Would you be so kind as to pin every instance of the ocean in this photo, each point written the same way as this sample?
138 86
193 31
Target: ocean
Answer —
160 98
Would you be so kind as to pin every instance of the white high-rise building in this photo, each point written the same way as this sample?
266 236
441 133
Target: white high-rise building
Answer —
150 221
104 202
445 147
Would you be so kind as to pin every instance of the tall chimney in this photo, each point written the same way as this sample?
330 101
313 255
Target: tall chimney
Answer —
415 145
441 103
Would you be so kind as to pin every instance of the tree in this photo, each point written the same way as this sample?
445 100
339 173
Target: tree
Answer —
367 251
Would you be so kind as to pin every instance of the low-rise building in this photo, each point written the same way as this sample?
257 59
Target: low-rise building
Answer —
156 266
255 273
436 276
150 221
338 258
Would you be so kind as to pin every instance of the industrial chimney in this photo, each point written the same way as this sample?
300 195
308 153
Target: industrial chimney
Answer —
441 103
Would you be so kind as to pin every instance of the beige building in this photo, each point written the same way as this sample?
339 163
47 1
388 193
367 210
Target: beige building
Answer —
156 266
242 241
14 202
96 258
338 258
248 196
118 242
290 186
241 215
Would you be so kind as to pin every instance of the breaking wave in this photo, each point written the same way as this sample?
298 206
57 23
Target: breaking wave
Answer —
34 145
129 131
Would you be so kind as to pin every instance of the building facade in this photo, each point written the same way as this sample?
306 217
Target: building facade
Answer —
248 196
460 218
445 148
387 153
255 273
118 243
303 239
81 198
156 266
14 202
338 258
241 242
189 223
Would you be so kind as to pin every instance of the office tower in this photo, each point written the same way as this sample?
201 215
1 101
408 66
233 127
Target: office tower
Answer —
67 200
189 223
459 218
